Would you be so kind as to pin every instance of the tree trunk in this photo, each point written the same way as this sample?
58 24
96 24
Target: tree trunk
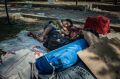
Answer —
6 8
115 2
76 2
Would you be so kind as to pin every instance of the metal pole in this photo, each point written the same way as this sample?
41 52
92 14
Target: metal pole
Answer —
6 9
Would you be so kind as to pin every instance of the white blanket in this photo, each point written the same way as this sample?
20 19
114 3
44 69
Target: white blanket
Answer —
16 66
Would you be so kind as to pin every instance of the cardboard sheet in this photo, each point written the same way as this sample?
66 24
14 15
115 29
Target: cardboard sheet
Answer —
103 59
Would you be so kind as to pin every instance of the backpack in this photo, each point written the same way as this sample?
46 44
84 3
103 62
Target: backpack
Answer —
100 24
61 58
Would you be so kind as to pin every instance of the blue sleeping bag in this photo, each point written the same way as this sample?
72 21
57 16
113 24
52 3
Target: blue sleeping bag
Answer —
60 58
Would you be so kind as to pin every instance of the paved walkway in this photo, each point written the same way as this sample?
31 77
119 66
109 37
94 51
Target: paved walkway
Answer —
57 3
65 3
76 15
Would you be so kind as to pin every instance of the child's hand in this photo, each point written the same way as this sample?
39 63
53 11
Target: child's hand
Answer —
65 32
41 39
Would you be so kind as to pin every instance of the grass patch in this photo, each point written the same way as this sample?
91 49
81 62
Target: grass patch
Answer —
8 31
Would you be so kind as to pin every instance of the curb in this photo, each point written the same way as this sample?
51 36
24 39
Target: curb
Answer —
107 7
46 18
74 7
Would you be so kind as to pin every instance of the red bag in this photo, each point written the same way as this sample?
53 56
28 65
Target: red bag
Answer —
100 24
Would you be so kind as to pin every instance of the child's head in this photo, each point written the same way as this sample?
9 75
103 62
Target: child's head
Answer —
67 23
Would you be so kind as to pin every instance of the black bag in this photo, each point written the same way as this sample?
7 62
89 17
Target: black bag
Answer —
55 40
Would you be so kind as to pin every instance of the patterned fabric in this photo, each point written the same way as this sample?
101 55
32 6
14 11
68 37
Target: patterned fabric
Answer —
56 25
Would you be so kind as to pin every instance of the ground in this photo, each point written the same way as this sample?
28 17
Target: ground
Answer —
46 13
78 14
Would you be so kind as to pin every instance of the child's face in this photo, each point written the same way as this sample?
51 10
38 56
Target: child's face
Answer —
66 24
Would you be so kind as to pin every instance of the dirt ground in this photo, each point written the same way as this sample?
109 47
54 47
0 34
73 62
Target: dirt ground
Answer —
59 13
9 31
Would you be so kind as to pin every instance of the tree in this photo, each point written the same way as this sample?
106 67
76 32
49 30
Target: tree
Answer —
6 9
115 2
76 2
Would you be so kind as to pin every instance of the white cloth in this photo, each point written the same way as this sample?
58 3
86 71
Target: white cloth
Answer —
16 66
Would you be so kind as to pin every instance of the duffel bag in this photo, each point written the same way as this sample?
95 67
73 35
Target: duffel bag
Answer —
61 58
